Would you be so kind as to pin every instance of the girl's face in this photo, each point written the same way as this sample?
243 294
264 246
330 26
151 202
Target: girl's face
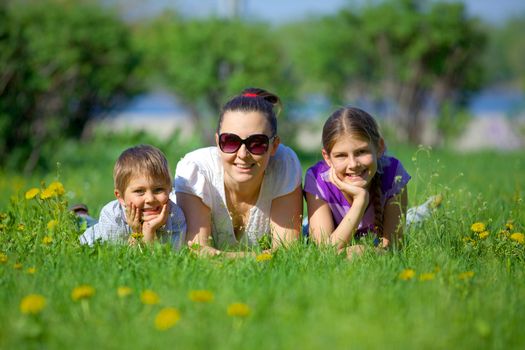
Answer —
147 194
354 159
243 166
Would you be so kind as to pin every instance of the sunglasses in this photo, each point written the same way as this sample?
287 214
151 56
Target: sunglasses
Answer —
255 144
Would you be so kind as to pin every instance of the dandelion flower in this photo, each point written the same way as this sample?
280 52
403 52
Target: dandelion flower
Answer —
509 226
21 227
52 224
478 227
483 235
124 291
466 275
200 296
263 257
31 270
32 304
56 188
32 193
3 258
17 266
47 240
407 274
149 297
238 310
518 237
46 194
167 318
429 276
82 292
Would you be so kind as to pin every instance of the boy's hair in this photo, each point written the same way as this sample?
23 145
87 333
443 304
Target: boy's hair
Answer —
253 100
140 160
355 121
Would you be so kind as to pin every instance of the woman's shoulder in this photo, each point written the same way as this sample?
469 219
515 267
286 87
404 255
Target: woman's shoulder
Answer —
202 158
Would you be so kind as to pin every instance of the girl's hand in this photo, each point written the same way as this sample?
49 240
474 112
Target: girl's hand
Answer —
153 223
350 191
133 218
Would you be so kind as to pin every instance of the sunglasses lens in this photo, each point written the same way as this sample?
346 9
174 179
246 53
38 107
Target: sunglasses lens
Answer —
229 143
257 144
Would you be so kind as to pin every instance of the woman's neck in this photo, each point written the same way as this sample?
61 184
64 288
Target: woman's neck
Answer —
242 192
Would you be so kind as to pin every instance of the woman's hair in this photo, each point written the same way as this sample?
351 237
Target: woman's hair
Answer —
140 160
356 122
254 100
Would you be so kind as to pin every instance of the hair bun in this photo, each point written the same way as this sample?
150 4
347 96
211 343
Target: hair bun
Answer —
257 92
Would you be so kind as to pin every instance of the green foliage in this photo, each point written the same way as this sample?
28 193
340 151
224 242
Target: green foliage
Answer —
207 61
62 60
396 53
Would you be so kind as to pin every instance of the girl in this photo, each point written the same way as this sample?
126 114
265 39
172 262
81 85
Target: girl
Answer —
356 189
246 186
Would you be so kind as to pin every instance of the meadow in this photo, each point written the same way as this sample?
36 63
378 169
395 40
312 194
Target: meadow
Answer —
458 282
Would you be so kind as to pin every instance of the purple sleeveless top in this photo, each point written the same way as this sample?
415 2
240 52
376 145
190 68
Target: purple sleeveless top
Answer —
393 179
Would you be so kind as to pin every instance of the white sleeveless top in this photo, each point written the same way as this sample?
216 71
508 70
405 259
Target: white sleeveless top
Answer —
201 173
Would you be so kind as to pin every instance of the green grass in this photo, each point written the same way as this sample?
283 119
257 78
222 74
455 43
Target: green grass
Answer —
304 297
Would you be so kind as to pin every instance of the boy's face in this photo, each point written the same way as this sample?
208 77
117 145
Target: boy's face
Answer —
146 193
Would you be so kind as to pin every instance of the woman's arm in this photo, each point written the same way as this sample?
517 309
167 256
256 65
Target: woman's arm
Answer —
286 218
395 211
322 225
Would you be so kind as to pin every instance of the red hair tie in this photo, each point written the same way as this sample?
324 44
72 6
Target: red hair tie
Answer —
249 94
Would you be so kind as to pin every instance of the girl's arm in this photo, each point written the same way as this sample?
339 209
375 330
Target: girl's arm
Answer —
322 225
394 213
286 218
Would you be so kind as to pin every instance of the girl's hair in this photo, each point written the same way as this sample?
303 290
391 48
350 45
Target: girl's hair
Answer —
140 160
254 100
356 122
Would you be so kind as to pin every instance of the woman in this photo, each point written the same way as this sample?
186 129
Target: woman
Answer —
247 186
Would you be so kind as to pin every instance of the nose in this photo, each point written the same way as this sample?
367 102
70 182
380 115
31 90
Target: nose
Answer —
148 197
352 162
242 152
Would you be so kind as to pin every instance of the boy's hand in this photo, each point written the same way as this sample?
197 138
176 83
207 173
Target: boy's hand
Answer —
153 223
133 218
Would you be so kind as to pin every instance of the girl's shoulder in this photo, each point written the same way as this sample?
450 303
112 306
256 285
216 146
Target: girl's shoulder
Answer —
393 176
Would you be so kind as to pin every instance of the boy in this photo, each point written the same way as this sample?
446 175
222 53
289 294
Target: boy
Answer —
142 209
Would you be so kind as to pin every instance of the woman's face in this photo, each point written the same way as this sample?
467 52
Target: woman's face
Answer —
243 166
354 159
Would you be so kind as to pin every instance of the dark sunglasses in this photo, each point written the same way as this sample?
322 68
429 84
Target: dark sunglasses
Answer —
255 144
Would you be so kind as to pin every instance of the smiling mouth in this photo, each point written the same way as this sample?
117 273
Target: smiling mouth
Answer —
359 175
244 166
151 210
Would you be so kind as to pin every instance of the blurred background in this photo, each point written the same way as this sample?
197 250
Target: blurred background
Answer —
449 74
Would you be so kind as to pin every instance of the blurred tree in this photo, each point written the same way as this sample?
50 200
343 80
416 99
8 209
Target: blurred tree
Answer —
401 52
504 60
62 60
206 61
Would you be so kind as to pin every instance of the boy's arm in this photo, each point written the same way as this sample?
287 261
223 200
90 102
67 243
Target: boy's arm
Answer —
111 226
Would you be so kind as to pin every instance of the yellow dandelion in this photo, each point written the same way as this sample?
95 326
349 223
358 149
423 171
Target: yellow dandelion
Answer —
32 304
17 266
167 318
47 240
21 227
263 257
3 258
32 193
429 276
200 296
407 274
31 270
46 194
149 297
466 275
124 291
238 310
478 227
518 237
483 235
82 292
57 188
52 224
509 226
